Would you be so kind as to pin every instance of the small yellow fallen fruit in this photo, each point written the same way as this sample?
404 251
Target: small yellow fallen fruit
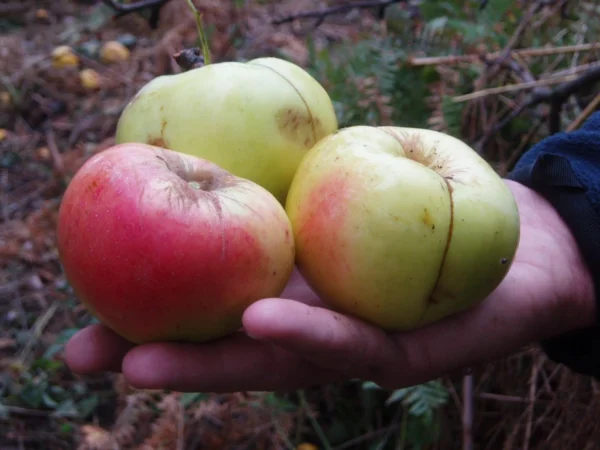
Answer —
44 153
307 446
114 51
64 56
90 79
41 13
5 99
3 134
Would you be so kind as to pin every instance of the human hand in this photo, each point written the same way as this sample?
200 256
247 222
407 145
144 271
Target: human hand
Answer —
296 341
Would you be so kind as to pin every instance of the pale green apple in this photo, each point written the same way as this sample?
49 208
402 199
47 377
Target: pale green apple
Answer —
401 226
255 119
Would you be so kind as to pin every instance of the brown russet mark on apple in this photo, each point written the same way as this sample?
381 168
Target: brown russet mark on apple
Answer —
159 141
93 187
296 124
427 219
316 126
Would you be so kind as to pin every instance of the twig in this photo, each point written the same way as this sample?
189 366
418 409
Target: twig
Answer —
519 70
556 97
16 7
128 8
56 156
467 416
559 95
281 432
26 411
584 114
321 14
36 331
398 419
525 52
366 437
595 72
518 152
203 41
315 424
570 70
505 53
532 397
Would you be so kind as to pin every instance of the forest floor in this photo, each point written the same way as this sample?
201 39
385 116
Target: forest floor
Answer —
52 119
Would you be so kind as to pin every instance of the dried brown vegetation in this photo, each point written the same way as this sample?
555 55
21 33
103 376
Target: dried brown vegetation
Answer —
50 123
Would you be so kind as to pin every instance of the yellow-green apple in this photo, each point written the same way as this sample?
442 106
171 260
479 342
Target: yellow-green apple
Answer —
163 246
255 119
401 226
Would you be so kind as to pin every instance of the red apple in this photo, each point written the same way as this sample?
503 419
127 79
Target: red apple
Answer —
164 246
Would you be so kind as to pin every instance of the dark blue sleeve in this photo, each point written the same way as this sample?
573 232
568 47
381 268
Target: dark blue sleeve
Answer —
565 169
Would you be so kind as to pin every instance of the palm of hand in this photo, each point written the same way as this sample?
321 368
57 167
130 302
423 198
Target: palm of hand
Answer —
295 341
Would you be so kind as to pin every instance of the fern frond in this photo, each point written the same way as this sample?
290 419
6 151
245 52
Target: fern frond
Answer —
421 400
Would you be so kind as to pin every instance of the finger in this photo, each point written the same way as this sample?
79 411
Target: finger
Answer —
326 338
96 349
235 363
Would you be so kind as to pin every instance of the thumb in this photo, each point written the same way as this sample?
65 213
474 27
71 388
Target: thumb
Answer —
326 338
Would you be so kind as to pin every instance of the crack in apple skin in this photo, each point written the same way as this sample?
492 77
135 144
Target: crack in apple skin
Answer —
432 299
401 227
413 145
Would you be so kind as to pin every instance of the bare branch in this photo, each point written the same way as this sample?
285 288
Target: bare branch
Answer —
524 52
321 14
556 97
128 8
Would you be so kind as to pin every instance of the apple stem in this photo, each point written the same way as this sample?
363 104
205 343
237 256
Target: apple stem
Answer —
201 33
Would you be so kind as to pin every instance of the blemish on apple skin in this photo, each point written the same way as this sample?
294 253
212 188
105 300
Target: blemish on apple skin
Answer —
297 125
159 141
426 218
94 188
